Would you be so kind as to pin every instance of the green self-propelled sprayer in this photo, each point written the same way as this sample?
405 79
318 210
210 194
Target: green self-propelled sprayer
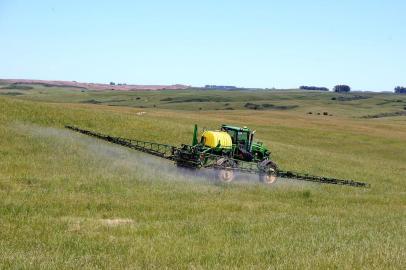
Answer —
226 151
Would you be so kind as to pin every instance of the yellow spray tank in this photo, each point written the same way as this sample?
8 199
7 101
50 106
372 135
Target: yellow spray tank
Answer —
219 139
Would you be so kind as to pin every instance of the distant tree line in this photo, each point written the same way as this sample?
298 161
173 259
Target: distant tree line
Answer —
338 88
400 90
222 87
315 88
119 84
342 88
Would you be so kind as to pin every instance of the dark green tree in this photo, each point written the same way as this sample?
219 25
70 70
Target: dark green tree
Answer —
342 88
400 90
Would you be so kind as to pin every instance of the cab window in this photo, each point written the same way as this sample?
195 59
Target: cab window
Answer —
242 137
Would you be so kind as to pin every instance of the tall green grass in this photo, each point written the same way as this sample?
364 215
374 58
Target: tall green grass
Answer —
68 201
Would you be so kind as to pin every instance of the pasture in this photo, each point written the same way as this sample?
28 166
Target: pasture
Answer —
68 201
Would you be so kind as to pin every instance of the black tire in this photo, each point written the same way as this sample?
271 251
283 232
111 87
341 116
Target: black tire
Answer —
269 173
225 173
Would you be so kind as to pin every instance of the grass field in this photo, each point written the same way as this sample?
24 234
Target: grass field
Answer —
68 201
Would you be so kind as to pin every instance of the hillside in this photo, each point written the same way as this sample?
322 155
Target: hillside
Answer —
69 201
91 86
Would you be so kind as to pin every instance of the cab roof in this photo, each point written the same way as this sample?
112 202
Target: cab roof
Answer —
235 128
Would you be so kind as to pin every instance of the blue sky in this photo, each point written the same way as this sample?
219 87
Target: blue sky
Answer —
245 43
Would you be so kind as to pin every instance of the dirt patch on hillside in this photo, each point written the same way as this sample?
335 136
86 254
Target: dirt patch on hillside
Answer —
79 224
116 222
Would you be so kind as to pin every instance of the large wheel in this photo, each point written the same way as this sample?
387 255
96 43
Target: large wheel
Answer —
225 172
269 173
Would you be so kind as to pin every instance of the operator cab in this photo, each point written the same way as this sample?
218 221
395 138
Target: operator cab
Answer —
242 140
239 135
